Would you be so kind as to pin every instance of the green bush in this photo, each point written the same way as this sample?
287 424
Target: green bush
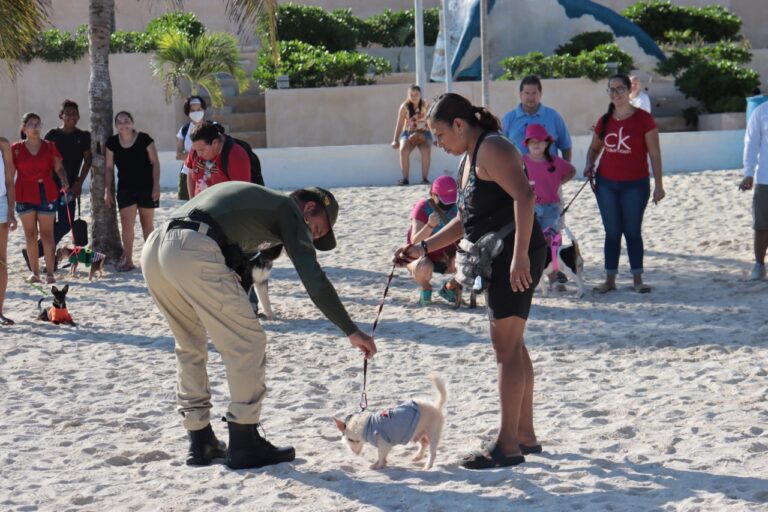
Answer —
184 22
586 41
316 26
131 42
589 64
314 66
719 85
396 28
683 57
54 45
662 20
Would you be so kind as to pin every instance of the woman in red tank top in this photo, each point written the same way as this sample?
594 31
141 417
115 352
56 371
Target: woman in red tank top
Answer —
36 160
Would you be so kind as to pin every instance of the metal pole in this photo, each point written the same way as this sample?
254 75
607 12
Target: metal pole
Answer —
419 25
484 53
446 46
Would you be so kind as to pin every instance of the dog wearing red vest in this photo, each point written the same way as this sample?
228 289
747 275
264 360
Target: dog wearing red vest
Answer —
58 313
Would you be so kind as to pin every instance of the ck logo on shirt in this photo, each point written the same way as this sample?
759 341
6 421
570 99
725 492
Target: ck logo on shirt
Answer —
617 142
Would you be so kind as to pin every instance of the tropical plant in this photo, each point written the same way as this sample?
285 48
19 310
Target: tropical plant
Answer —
589 64
660 18
22 23
584 42
176 21
337 30
198 61
314 66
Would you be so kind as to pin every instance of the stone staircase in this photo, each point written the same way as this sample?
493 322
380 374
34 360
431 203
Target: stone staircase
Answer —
244 115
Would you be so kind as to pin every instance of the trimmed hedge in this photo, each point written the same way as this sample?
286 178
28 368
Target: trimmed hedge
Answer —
589 64
313 66
54 45
584 42
658 17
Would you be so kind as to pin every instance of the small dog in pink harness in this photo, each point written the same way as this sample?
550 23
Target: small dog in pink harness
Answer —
563 258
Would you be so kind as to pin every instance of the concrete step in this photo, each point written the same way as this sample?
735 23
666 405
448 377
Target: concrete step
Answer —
672 124
252 121
229 87
244 104
257 139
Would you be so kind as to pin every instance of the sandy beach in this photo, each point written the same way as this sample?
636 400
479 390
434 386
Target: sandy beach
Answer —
642 402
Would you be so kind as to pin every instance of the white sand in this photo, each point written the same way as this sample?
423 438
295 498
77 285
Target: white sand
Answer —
643 402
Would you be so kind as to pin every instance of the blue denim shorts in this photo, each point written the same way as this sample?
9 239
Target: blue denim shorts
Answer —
3 209
427 135
42 208
548 216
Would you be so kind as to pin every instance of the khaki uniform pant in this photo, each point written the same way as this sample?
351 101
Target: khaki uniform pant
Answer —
199 295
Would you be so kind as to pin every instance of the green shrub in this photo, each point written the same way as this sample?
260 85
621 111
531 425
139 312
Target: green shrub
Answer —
54 45
589 64
683 57
397 28
586 41
184 22
661 19
316 26
720 85
314 66
131 42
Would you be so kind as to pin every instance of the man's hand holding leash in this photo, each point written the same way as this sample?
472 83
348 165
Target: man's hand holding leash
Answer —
364 342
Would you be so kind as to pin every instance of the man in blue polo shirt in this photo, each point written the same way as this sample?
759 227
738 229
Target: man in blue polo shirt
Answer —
531 111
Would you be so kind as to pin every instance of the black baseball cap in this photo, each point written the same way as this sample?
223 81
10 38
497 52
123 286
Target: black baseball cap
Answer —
327 202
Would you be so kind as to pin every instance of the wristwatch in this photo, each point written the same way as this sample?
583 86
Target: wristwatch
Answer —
424 246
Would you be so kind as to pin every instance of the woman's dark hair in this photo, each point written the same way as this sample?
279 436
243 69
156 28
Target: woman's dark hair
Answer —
123 113
206 131
411 110
549 157
604 120
26 117
449 106
68 104
188 104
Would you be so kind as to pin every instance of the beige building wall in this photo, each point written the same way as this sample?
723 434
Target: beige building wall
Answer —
339 116
42 86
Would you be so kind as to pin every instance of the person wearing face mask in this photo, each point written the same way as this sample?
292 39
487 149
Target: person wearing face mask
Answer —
429 216
194 108
138 182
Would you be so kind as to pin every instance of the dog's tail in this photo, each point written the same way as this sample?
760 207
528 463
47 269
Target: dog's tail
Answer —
40 304
441 390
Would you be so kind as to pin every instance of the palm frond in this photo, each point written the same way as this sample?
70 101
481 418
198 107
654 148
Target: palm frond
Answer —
22 22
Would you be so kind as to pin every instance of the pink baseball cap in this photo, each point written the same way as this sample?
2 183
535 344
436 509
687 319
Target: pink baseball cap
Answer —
538 132
444 188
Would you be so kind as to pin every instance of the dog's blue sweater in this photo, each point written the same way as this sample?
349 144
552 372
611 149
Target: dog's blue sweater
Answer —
395 426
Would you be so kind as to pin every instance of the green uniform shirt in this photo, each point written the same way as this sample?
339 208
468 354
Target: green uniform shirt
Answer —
257 218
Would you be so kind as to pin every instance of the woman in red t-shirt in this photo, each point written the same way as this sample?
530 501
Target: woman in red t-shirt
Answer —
626 137
36 160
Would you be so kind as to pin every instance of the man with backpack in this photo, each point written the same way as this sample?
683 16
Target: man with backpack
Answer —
216 157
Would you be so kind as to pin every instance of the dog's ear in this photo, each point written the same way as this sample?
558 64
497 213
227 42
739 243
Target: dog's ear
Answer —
54 290
340 425
65 289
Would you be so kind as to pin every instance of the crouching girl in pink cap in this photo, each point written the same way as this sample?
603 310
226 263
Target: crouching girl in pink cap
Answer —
429 216
546 172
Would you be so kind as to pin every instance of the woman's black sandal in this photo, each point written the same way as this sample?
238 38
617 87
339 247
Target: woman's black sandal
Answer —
491 457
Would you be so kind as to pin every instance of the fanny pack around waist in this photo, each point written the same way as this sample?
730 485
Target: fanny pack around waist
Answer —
474 260
233 255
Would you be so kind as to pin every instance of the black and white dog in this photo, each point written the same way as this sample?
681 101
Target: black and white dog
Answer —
258 290
569 261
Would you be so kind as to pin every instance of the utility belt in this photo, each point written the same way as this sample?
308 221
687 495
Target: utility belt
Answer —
203 223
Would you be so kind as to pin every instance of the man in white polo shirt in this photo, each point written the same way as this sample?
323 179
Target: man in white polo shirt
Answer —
756 163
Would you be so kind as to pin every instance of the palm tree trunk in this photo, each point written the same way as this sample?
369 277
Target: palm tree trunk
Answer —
104 231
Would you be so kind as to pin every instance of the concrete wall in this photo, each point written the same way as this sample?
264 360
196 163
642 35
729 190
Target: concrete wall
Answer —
377 164
42 86
367 114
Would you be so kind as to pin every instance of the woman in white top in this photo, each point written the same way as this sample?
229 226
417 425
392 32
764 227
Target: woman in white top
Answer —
7 218
638 98
194 108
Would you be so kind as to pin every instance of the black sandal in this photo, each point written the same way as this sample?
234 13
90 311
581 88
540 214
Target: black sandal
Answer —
490 457
403 182
528 450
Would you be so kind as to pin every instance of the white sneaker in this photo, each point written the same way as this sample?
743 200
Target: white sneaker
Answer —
758 272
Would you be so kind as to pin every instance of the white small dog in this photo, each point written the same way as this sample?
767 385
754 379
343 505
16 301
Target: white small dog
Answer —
569 262
414 421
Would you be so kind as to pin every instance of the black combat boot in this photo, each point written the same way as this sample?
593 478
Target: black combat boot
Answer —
248 449
204 447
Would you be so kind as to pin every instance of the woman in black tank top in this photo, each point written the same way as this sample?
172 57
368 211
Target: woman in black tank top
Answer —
494 192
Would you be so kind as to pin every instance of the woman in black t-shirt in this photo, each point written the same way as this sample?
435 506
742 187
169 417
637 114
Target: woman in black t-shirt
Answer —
138 182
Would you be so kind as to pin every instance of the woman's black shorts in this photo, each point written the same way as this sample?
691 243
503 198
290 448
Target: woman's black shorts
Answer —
502 301
135 196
